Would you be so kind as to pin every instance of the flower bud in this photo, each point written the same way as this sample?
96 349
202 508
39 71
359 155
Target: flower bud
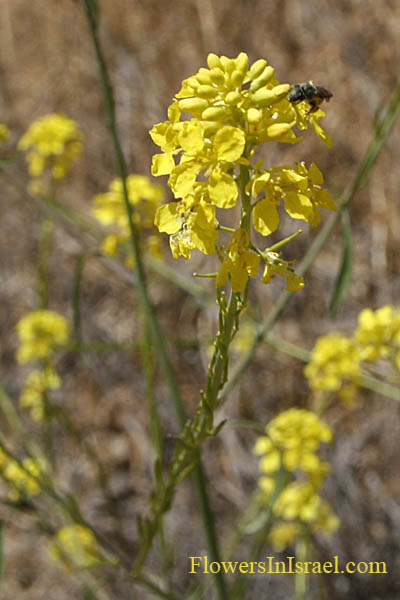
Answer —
254 115
257 68
264 97
217 76
203 76
262 79
213 113
193 104
232 98
242 63
206 91
228 64
213 61
237 78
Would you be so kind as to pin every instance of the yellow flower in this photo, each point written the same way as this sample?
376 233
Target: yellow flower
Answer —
144 196
76 546
378 332
292 441
233 108
293 438
37 383
239 263
23 478
40 332
299 501
283 534
53 142
191 224
335 359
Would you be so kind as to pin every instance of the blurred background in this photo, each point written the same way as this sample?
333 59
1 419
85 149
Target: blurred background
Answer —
47 64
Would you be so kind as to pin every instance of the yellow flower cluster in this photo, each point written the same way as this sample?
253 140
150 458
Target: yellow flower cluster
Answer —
53 142
335 365
33 393
145 197
378 334
40 333
22 478
76 547
234 108
290 446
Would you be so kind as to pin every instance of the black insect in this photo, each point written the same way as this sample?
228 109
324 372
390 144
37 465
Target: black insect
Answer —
313 94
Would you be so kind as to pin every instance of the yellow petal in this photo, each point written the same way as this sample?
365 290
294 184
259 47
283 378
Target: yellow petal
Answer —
265 217
167 219
229 143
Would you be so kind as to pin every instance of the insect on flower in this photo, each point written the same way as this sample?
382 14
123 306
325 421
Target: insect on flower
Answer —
313 94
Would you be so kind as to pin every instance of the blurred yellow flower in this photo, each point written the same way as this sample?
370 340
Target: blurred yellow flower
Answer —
109 209
40 332
23 478
54 142
76 547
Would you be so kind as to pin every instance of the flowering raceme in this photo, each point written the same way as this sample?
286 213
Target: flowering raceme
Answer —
291 445
53 142
334 365
234 108
145 197
40 332
23 478
336 359
76 546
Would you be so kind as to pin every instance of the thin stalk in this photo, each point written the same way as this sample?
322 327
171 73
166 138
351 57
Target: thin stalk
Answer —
45 238
158 338
359 181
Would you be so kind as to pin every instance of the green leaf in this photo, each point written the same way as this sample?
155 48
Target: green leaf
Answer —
345 272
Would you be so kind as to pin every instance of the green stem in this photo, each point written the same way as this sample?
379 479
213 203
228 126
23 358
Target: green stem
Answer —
45 237
158 338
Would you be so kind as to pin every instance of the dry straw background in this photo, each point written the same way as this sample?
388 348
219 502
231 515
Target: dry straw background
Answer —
47 64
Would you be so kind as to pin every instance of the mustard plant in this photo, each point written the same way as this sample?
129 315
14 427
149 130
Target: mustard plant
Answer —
209 156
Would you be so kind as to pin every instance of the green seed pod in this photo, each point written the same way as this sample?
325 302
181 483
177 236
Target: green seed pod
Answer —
257 68
262 79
